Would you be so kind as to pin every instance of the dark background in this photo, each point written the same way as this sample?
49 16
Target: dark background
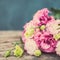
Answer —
15 13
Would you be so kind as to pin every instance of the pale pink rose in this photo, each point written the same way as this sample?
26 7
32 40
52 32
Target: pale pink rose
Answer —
23 37
29 25
30 46
36 23
52 27
58 48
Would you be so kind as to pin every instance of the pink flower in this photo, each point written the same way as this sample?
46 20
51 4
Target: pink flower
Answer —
29 25
36 22
48 44
42 16
53 27
30 46
58 48
45 41
38 36
39 33
23 37
40 13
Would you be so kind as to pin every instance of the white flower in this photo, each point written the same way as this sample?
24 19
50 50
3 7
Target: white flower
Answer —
53 27
58 48
30 46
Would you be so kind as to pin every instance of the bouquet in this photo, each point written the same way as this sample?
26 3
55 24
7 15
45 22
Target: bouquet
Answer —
42 34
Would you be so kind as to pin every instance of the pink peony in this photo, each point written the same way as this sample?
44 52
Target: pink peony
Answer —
46 43
38 36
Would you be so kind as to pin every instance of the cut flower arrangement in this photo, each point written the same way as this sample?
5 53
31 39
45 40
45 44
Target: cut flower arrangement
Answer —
41 34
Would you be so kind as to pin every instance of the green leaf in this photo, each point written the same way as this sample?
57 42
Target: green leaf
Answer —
21 42
56 13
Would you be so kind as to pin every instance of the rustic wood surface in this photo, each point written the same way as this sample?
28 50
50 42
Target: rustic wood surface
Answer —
6 40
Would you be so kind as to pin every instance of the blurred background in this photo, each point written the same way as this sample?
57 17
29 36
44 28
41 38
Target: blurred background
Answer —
15 13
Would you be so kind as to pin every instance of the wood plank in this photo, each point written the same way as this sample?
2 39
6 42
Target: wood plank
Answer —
6 40
8 34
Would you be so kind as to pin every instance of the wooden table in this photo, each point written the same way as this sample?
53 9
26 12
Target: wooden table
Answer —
6 40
